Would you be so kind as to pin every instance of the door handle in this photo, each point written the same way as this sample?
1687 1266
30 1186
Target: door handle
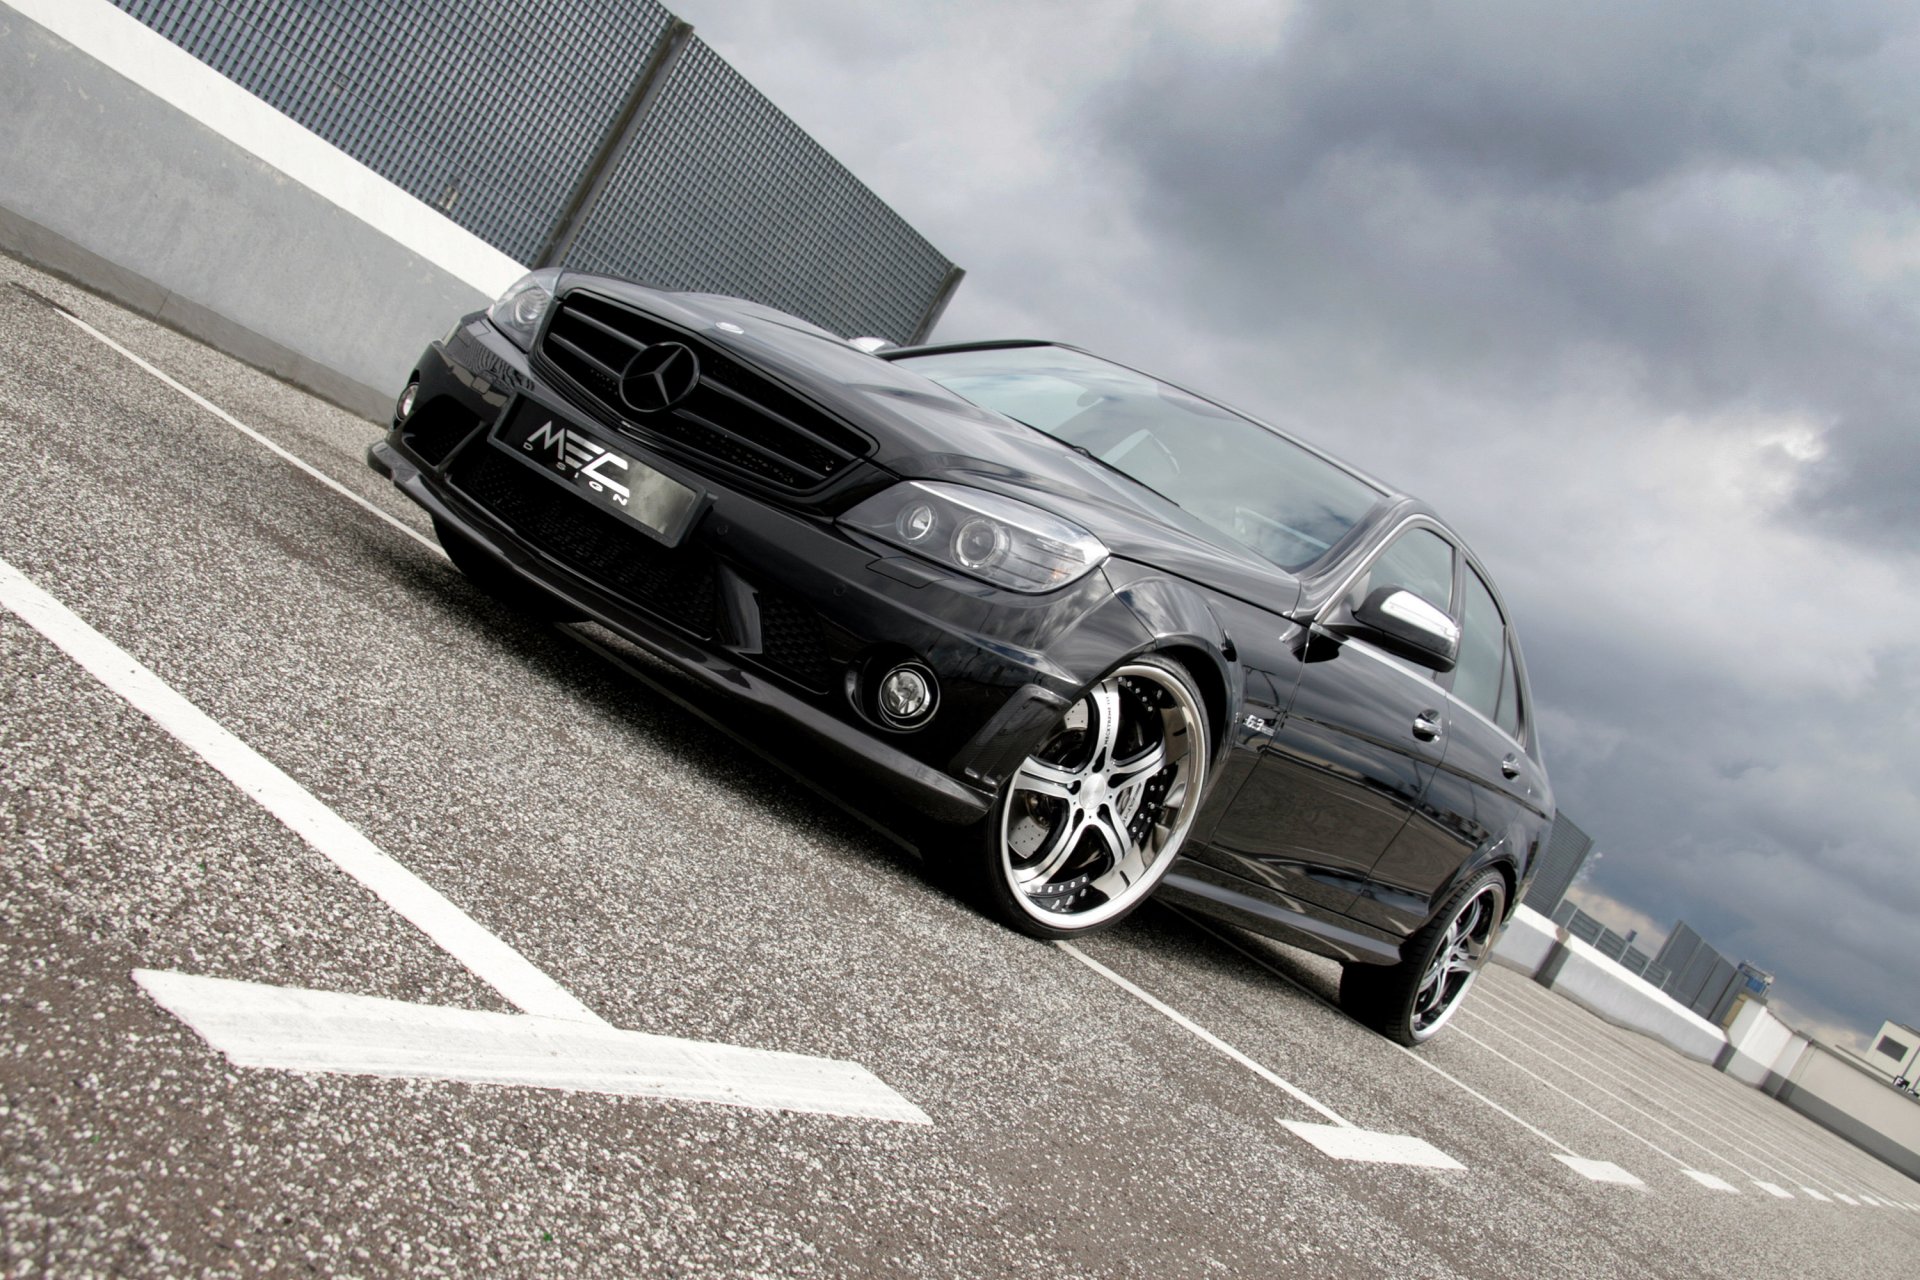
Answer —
1426 726
1510 766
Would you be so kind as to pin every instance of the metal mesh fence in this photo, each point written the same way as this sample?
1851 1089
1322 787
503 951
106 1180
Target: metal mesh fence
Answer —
495 113
722 192
1567 849
1612 945
489 113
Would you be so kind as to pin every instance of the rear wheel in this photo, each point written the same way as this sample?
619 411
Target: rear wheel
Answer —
1410 1001
1089 823
498 581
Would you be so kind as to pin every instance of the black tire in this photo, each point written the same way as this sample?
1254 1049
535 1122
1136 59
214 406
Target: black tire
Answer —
1124 766
1411 1001
498 581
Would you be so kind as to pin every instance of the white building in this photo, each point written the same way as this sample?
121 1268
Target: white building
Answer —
1894 1052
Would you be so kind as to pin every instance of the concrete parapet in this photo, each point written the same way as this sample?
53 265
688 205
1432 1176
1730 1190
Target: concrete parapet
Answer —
1528 942
1859 1106
1536 946
215 230
1591 980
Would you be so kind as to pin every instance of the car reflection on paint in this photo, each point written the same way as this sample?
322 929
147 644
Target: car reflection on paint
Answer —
1124 641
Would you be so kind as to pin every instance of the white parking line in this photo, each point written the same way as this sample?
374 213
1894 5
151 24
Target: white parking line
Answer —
492 960
1600 1170
1740 1125
1705 1179
1593 1170
300 1029
1342 1139
1743 1112
255 436
1710 1182
1681 1108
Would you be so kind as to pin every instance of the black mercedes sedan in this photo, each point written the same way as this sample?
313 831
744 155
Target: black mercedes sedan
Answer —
1121 640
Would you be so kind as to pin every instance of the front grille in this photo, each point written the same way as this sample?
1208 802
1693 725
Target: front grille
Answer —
681 586
738 418
791 641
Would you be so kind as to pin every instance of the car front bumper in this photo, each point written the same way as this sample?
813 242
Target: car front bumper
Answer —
767 601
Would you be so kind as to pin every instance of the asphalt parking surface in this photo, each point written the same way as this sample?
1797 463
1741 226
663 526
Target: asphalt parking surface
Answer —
679 884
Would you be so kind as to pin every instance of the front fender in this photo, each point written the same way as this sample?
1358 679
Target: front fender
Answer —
1180 621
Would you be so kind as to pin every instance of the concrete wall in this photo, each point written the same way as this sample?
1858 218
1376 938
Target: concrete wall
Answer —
1759 1045
1858 1106
139 171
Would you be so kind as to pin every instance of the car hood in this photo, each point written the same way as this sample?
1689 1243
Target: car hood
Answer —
922 431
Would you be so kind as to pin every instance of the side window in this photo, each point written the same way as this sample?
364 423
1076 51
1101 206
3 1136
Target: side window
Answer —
1483 645
1419 560
1512 714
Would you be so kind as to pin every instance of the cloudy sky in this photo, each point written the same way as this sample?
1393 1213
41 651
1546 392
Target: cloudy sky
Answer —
1632 291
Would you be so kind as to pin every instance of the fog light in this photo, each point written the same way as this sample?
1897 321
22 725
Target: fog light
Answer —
405 408
906 695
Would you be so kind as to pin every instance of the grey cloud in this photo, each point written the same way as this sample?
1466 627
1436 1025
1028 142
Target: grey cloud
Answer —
1799 861
1535 197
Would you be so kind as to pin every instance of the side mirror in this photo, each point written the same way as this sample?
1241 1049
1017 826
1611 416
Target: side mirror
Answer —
1404 624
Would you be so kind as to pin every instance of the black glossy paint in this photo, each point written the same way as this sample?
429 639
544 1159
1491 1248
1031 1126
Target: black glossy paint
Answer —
1329 820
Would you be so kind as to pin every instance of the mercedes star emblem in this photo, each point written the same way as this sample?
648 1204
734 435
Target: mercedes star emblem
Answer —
659 377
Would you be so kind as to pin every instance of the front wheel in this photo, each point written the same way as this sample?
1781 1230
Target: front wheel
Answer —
1409 1002
1089 823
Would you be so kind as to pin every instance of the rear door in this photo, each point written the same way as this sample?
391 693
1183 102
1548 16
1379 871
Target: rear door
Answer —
1488 789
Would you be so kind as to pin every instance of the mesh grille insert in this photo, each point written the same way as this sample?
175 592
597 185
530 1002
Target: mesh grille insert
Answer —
791 641
680 585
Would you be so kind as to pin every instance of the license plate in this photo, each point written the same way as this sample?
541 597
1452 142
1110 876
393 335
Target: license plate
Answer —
609 479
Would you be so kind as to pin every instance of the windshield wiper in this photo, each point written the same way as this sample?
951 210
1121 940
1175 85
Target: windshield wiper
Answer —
1085 452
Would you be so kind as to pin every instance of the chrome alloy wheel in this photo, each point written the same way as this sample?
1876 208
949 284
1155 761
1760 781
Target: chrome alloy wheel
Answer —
1462 949
1094 817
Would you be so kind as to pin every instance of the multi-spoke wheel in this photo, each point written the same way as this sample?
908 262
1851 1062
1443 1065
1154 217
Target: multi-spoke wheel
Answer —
1088 825
1412 1000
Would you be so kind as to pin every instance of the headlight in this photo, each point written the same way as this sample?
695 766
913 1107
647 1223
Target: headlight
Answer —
520 309
983 535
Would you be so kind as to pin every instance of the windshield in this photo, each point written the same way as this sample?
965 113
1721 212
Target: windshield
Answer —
1257 487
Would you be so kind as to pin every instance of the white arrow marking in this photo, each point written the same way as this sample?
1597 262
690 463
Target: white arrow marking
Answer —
287 1029
558 1044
